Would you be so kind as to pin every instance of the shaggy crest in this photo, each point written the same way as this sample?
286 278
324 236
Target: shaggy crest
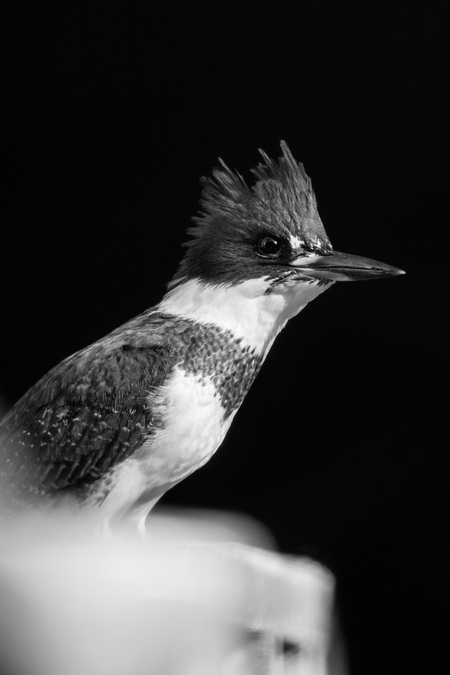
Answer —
281 188
281 202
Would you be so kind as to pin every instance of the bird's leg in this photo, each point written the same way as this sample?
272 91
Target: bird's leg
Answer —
129 523
136 518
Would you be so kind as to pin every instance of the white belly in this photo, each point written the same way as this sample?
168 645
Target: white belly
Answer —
190 428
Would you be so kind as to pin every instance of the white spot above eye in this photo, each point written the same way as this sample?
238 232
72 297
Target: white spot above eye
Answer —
296 243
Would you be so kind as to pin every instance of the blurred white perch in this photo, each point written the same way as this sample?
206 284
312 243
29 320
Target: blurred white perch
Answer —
77 607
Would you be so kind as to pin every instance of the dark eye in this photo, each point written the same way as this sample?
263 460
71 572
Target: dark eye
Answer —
269 246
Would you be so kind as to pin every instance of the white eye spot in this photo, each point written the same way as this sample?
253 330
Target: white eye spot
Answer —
295 242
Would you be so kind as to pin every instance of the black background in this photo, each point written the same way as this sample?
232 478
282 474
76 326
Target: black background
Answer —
114 111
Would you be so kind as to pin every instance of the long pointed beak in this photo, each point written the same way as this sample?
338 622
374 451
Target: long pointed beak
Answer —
345 267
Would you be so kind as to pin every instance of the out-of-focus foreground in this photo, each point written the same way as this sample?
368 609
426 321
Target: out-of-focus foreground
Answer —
184 602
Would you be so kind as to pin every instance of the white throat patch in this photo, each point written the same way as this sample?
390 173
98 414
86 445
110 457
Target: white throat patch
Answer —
245 309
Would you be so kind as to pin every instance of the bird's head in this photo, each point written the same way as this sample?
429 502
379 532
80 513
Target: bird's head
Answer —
271 231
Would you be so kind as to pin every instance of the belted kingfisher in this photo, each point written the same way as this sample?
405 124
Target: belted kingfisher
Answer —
118 423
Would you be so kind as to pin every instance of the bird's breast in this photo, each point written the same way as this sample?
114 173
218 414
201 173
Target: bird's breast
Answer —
190 422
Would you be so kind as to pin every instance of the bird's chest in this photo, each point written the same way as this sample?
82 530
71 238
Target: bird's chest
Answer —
190 421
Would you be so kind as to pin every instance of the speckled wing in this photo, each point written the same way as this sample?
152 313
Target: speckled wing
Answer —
85 416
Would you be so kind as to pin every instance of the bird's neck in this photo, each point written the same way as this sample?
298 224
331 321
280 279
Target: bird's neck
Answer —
245 309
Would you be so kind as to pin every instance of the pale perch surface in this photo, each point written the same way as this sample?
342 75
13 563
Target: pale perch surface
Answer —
183 607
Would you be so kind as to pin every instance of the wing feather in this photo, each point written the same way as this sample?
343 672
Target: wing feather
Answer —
85 416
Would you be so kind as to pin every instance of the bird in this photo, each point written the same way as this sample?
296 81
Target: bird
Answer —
115 425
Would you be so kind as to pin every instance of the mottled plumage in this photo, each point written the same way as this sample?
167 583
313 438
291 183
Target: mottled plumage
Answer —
118 423
90 412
